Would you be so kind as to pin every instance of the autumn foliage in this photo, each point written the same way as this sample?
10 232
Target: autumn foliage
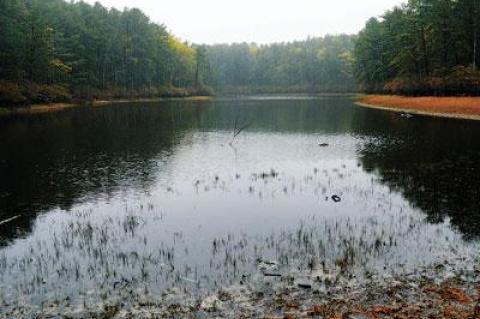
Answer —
461 81
469 106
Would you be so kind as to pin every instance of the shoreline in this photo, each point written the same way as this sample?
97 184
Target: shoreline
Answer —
57 107
459 108
438 292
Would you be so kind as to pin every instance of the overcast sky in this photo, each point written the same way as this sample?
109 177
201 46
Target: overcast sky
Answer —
261 21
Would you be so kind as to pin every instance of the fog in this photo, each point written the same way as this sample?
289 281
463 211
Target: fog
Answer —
266 21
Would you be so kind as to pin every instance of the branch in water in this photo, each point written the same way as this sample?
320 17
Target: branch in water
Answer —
9 220
240 130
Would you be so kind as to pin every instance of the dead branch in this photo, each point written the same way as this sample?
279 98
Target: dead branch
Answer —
9 220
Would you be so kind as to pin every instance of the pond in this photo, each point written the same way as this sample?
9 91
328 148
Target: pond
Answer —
197 195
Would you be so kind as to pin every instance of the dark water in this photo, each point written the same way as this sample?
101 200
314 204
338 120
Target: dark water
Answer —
161 195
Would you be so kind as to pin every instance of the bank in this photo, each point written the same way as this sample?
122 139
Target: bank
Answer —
439 292
56 107
448 107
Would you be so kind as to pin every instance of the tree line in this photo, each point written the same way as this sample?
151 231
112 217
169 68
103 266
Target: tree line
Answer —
52 50
424 47
315 65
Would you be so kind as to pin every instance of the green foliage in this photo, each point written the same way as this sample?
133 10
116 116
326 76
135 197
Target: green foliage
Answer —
55 50
45 93
314 65
422 47
11 93
461 81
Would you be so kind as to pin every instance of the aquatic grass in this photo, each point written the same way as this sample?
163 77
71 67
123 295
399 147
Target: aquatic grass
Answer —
104 257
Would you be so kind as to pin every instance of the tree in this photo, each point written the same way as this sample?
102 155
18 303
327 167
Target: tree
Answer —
423 47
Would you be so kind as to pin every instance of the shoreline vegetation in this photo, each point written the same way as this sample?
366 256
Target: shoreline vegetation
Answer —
467 108
442 291
36 108
56 107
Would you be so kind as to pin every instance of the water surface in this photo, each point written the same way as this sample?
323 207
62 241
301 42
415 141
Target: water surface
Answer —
159 195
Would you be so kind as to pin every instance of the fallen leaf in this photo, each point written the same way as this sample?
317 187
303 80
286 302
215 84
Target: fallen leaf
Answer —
456 295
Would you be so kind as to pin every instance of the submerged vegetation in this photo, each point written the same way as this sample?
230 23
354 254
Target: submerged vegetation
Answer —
158 215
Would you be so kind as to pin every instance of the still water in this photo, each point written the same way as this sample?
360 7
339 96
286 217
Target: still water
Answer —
159 195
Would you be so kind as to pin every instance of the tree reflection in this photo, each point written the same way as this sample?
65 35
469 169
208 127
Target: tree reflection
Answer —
57 160
435 164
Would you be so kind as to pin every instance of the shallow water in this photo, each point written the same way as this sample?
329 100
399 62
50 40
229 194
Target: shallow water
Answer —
161 195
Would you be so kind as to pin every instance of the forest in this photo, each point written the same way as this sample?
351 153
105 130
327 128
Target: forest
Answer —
425 47
314 65
55 51
58 51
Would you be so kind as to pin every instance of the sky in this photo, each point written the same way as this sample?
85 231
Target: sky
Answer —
261 21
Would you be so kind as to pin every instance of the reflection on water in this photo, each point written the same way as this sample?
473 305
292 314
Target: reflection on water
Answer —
162 195
435 164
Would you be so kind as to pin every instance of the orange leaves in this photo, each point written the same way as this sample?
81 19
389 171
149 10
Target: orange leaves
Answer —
455 294
452 312
325 311
451 294
317 310
385 310
469 106
449 300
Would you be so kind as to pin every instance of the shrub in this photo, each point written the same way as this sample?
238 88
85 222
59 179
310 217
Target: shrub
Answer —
201 91
11 94
460 81
44 93
172 91
55 93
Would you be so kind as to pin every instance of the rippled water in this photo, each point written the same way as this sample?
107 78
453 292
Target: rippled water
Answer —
161 195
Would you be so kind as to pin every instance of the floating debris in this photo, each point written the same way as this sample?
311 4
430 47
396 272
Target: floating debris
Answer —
9 220
304 285
270 274
336 198
193 281
406 115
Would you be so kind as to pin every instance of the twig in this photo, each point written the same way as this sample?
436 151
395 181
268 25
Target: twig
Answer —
240 130
9 220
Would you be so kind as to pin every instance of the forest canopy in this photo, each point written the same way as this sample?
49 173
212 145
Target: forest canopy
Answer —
56 51
315 65
52 50
425 47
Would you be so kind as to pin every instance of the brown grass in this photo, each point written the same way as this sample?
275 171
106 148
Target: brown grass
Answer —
458 107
